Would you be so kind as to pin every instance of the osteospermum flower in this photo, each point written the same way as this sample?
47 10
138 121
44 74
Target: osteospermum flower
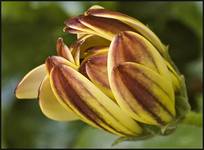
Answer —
117 76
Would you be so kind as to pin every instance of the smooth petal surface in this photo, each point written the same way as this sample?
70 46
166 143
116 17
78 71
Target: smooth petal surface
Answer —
50 105
95 68
73 31
93 106
86 43
132 22
143 93
176 81
73 24
63 50
106 28
29 85
96 7
131 47
90 41
52 61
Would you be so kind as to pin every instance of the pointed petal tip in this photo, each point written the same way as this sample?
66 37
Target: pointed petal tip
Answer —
57 68
63 50
60 40
120 35
49 63
73 21
53 61
65 29
71 30
94 7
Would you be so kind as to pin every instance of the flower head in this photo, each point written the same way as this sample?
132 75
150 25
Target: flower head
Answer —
116 76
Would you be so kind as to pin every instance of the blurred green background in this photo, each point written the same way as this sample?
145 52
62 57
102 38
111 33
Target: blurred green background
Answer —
29 34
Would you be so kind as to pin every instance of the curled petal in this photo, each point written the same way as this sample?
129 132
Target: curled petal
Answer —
50 105
104 27
91 41
56 60
29 85
132 22
73 31
131 47
76 52
95 68
143 93
85 43
75 91
63 50
74 24
96 7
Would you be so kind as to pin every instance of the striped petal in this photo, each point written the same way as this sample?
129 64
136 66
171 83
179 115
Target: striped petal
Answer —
29 85
73 24
131 47
106 28
90 41
56 60
75 91
143 93
176 81
94 67
50 105
132 22
71 30
85 43
63 50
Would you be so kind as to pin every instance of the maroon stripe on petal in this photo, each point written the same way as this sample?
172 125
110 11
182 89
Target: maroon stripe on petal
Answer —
67 92
97 69
140 92
96 12
126 47
106 24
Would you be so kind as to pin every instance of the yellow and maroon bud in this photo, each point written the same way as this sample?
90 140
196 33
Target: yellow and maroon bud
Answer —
76 92
116 76
139 80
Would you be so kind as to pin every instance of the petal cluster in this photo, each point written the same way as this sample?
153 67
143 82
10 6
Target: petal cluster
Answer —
115 76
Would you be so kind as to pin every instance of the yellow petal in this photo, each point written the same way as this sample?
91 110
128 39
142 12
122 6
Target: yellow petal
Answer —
129 46
96 7
90 41
75 91
106 28
85 43
50 105
143 93
95 68
63 50
176 81
132 22
73 31
29 85
52 61
73 25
